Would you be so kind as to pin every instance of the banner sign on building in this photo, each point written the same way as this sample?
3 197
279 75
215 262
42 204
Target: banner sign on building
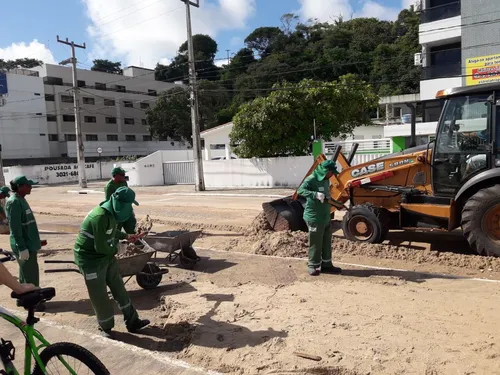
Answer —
482 69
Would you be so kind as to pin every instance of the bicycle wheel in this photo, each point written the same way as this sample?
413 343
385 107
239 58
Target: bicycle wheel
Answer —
79 359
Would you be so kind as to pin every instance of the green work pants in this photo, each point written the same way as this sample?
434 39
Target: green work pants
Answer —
97 278
28 270
320 244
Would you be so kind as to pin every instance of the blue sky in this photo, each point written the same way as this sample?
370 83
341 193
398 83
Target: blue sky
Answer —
146 31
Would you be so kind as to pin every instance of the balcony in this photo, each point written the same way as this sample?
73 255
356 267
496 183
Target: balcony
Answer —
441 71
440 12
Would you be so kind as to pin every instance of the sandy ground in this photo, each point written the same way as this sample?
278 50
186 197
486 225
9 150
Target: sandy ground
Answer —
243 312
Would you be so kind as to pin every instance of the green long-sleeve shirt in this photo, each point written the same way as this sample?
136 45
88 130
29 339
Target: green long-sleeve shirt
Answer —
24 233
98 238
112 186
315 211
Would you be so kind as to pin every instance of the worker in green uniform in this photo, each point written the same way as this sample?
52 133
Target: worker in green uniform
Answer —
4 223
24 236
95 250
119 179
317 215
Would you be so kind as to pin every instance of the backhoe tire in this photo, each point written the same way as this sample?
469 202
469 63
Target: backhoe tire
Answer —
366 223
481 221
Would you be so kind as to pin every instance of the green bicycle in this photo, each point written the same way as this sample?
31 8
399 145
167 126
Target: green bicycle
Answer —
54 358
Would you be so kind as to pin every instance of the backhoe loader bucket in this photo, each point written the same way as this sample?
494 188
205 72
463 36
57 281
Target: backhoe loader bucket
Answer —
285 214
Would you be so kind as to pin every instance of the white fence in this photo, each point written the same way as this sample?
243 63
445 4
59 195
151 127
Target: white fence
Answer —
179 173
366 146
59 173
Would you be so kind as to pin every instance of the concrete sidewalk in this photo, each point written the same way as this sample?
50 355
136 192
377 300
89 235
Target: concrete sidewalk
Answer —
118 357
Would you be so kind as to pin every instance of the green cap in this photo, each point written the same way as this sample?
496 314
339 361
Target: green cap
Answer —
125 194
5 191
121 201
322 170
22 180
118 170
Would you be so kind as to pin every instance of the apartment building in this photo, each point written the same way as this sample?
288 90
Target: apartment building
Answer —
460 47
37 116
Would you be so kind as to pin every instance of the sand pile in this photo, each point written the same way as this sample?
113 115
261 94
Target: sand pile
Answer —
260 239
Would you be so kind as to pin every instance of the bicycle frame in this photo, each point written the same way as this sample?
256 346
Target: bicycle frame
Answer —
31 347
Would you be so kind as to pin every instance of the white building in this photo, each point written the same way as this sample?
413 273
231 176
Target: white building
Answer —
38 104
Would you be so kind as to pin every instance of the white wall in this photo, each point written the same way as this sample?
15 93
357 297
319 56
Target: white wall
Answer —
58 173
439 32
404 130
123 148
176 155
429 88
23 133
248 173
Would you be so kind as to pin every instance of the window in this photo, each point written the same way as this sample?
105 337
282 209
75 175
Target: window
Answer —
66 99
129 121
130 137
49 98
80 83
37 94
147 138
70 137
53 81
53 138
90 137
88 100
110 120
39 113
112 137
69 118
462 142
152 93
144 121
100 86
109 102
90 119
144 105
42 134
128 104
51 118
120 88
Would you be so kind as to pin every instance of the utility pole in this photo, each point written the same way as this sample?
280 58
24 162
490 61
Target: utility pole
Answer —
228 57
82 178
198 162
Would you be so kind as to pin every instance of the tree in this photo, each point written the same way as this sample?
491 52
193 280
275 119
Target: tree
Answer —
281 124
262 38
107 66
7 65
170 117
205 49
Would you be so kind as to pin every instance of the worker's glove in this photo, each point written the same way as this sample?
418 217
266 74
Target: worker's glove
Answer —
24 255
320 197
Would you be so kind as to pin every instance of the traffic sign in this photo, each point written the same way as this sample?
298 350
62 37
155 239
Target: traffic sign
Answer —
99 150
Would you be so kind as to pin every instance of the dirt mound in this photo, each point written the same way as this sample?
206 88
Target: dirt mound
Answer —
260 239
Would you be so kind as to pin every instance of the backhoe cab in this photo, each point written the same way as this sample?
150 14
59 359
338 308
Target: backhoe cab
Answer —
452 181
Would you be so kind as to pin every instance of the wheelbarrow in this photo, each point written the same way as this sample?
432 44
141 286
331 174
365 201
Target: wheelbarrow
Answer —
147 274
178 245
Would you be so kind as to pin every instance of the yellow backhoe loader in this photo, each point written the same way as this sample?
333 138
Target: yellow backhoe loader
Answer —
452 181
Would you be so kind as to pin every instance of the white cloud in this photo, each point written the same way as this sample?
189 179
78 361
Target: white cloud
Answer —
325 10
407 3
149 31
376 10
33 50
329 10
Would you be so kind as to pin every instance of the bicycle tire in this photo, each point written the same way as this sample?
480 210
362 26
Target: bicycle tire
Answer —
71 350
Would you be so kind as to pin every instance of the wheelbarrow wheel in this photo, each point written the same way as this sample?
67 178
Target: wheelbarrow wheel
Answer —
150 276
188 258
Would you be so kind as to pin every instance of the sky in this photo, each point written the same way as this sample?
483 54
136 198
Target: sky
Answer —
144 32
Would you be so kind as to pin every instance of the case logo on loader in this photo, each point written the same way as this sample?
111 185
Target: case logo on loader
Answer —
401 162
377 167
